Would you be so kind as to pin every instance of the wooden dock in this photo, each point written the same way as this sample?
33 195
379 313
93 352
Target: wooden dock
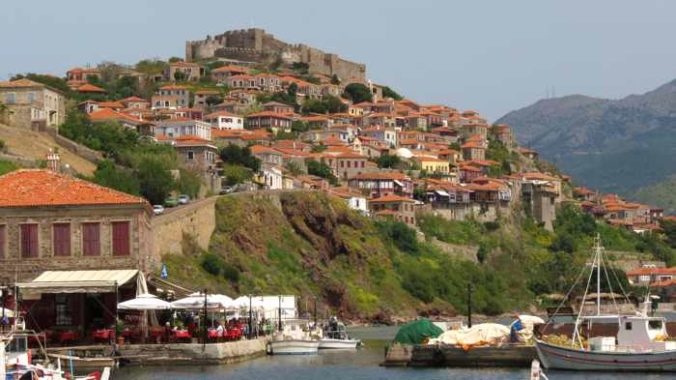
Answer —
509 355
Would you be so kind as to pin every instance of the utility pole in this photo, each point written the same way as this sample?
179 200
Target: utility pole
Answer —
469 304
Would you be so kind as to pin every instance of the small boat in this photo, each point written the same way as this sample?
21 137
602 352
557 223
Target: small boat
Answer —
294 339
16 361
641 343
334 336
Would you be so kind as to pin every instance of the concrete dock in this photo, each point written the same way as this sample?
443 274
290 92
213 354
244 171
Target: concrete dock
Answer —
450 356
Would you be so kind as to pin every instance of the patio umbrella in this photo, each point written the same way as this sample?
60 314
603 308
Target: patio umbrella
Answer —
243 302
144 302
197 300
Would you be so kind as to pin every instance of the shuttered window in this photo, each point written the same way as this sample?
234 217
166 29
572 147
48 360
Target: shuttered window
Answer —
121 239
91 239
61 237
29 240
2 241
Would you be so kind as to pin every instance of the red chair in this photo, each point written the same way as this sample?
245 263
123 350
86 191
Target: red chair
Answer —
68 337
234 334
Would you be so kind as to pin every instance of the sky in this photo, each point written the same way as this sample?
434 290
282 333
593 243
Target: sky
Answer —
491 56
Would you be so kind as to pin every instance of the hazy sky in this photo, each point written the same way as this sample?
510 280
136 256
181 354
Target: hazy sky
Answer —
493 56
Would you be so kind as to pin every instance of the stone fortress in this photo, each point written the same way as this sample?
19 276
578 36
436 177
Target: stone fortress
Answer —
255 45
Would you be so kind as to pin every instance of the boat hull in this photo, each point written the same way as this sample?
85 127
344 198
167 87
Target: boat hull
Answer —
338 344
556 357
294 347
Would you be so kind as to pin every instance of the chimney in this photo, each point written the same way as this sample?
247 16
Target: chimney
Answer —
53 160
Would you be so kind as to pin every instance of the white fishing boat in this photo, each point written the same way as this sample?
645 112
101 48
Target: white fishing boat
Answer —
296 338
641 343
16 362
334 336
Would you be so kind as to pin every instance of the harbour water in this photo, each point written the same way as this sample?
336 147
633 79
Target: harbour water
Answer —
362 364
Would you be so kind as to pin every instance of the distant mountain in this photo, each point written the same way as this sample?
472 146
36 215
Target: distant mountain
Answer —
610 145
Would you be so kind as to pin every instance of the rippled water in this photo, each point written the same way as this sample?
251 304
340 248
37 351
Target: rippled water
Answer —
352 365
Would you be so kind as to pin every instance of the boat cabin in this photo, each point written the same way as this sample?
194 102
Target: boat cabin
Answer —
635 333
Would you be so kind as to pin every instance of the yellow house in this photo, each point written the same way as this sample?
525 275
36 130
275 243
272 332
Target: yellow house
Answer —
433 165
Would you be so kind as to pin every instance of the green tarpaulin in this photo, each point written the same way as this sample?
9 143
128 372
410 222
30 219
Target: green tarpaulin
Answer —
417 332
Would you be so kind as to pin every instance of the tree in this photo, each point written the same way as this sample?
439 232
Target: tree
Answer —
109 175
236 155
320 169
155 179
174 59
335 80
180 76
212 100
236 174
358 92
328 104
189 183
388 161
390 93
48 80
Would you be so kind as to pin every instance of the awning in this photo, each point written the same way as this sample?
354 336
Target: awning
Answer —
399 183
442 193
78 281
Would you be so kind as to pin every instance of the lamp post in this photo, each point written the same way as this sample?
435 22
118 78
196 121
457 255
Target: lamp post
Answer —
469 304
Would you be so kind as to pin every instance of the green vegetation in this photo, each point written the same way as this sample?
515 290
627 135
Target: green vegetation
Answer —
390 93
7 166
236 174
660 194
358 93
388 161
327 104
236 155
134 165
320 169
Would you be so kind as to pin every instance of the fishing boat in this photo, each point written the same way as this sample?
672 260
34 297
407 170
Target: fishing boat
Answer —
295 338
16 362
334 336
641 343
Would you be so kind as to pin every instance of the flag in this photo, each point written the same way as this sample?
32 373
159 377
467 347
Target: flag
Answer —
164 274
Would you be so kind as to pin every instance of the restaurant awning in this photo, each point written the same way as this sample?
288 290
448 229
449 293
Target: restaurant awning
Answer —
442 193
78 281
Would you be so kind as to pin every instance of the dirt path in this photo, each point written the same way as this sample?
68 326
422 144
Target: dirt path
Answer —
35 145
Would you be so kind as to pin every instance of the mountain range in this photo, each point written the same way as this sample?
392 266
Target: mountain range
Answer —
626 146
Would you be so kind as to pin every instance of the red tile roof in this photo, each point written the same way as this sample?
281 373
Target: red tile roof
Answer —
382 175
390 198
108 114
652 271
38 187
90 88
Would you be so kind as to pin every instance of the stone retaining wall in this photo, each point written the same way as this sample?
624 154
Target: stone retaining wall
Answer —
184 353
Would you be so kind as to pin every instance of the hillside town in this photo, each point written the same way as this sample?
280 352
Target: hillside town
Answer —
244 113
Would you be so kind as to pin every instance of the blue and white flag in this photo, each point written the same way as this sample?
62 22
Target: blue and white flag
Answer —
164 274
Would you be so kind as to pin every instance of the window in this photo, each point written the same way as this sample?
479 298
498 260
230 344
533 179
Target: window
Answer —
10 98
627 326
62 309
191 155
655 324
31 97
29 240
61 239
121 239
2 242
91 239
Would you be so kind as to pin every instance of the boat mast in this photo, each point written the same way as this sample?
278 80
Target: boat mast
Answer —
597 248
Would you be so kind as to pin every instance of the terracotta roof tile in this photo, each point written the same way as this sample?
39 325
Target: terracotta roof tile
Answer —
38 187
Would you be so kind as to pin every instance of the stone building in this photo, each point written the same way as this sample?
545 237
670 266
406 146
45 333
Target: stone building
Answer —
183 71
51 221
393 206
31 103
196 153
171 96
255 45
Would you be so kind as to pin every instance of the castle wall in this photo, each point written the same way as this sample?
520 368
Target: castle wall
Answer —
258 46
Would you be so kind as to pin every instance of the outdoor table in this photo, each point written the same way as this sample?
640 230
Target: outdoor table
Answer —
103 334
67 337
234 334
214 334
182 334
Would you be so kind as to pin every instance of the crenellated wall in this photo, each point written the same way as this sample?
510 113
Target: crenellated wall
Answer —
255 45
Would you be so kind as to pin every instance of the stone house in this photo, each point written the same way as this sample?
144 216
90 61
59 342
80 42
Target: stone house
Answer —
267 155
539 200
196 153
242 81
225 120
473 151
51 221
201 97
183 71
380 183
399 208
278 107
650 275
269 120
220 74
171 96
134 102
348 165
32 103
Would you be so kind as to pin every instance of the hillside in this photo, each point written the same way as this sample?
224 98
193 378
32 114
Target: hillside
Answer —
34 146
611 145
312 245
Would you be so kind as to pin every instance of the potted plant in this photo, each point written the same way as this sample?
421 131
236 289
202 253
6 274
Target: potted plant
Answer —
119 328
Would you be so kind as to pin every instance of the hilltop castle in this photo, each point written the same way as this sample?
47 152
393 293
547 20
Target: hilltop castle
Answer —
255 45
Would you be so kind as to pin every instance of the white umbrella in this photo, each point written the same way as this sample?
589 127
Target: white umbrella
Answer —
144 302
197 301
244 302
